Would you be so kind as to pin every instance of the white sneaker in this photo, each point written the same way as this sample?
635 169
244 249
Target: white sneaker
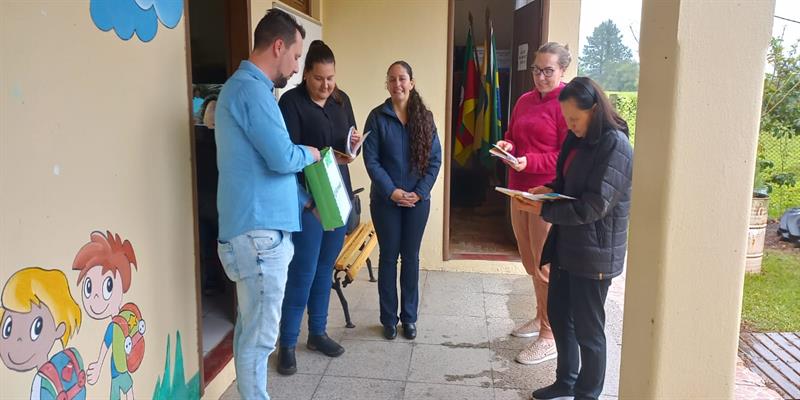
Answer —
526 330
539 351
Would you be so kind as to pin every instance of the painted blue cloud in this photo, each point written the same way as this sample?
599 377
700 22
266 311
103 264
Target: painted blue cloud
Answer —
140 17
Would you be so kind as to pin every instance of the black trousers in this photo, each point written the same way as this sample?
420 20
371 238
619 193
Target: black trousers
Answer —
399 231
575 307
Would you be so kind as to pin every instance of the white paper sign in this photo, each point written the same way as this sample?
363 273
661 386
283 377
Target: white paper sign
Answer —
522 57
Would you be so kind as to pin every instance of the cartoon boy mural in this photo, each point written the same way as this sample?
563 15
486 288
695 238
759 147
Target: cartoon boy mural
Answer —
105 275
38 311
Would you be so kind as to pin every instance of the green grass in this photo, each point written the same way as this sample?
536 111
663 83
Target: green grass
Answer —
772 298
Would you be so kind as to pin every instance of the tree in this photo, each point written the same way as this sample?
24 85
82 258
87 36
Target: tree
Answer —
608 61
780 118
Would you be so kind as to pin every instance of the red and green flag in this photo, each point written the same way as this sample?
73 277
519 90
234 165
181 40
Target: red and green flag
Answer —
468 105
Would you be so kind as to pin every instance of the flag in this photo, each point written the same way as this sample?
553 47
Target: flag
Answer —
488 122
467 107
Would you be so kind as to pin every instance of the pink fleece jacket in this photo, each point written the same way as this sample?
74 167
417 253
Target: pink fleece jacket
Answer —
536 130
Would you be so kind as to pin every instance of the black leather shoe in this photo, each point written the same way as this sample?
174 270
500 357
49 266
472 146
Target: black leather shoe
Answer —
390 331
410 330
287 364
325 345
553 392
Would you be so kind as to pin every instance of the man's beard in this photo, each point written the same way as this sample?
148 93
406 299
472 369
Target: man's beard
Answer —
281 81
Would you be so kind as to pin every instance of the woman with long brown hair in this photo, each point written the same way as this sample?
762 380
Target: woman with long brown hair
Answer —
402 156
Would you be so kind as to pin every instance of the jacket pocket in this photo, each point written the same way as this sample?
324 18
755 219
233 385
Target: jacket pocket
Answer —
600 230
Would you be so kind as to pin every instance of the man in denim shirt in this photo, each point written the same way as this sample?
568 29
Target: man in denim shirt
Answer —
258 198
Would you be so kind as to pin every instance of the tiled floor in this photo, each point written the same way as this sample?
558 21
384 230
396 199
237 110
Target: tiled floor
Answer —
463 350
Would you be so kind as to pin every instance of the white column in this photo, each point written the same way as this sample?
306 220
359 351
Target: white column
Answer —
702 71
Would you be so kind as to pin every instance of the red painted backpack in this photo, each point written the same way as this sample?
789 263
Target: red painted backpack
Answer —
128 338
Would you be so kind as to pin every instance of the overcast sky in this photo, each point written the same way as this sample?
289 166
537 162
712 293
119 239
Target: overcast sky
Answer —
626 14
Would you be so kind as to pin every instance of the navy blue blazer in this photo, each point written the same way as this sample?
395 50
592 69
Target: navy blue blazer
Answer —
387 156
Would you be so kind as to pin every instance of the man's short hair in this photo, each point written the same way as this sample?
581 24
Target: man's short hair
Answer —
277 24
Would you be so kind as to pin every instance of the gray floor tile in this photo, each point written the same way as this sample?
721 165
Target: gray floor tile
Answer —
509 374
453 303
514 306
308 362
343 388
452 331
462 366
430 391
512 394
463 348
372 359
499 330
295 387
454 282
507 284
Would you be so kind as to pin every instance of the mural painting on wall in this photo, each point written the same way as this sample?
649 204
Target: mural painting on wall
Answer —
37 312
39 316
177 388
105 265
141 17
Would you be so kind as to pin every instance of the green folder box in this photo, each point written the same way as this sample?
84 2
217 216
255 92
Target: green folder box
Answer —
324 180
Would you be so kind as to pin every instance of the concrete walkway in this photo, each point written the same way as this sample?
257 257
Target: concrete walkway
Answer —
463 349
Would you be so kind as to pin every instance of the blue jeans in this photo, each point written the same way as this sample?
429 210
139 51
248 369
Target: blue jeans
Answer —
257 262
309 281
399 231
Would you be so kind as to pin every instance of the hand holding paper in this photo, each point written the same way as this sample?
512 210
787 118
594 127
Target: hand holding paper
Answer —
354 141
542 196
501 153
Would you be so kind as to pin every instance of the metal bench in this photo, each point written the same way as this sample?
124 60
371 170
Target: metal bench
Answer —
354 255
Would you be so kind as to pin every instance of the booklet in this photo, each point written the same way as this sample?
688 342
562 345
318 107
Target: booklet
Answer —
352 152
530 196
502 154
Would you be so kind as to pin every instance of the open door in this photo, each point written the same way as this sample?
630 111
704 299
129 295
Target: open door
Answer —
527 38
478 225
219 34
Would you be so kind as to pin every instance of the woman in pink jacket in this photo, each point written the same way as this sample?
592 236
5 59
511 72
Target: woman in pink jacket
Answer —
535 134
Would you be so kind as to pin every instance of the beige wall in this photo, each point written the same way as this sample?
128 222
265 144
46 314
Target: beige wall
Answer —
563 26
94 135
366 37
696 139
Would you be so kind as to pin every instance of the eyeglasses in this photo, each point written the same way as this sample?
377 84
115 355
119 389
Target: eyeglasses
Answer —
547 72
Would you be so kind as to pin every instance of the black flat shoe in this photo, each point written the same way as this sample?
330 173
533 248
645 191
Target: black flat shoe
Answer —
410 330
287 363
390 331
325 345
554 392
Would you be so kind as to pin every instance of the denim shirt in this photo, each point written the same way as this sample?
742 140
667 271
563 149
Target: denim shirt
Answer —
387 156
257 160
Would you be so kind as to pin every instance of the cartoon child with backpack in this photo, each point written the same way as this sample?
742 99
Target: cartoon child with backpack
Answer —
38 311
105 275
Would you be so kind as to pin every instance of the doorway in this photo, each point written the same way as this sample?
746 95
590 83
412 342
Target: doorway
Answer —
478 224
219 39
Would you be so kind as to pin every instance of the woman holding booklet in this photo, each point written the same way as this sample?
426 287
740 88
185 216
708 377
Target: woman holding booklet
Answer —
586 246
402 156
535 133
318 114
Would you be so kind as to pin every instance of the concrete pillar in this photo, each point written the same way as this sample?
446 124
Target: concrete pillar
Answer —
702 66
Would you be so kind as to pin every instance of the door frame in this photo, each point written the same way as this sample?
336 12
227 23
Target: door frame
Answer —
231 67
447 254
